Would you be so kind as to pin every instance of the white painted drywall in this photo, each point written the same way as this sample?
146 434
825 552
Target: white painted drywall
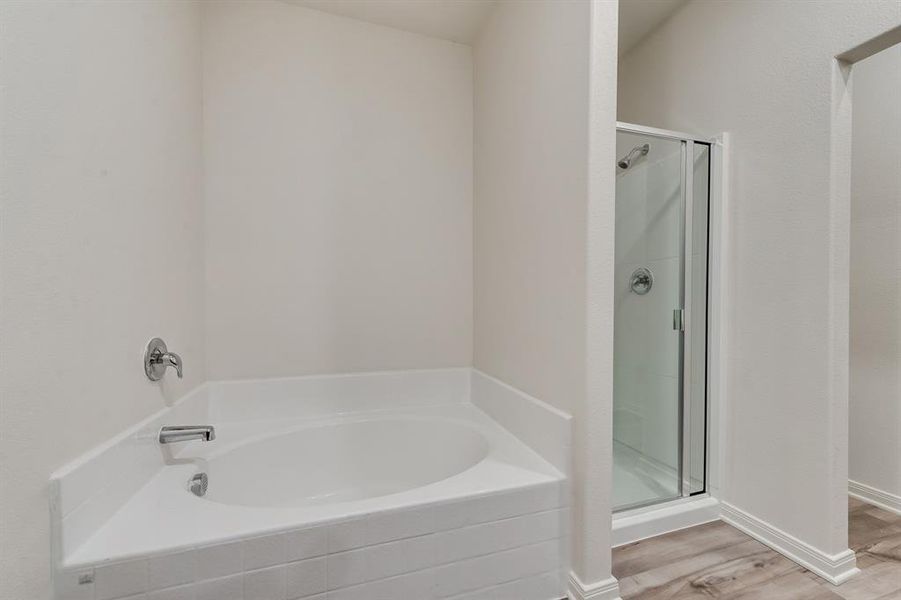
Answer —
100 250
338 184
531 130
764 72
637 18
875 410
593 435
534 311
453 20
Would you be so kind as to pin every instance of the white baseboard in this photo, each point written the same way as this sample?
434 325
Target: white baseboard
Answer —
608 589
874 496
639 524
834 568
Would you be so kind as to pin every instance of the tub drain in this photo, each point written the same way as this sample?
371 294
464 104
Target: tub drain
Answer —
199 483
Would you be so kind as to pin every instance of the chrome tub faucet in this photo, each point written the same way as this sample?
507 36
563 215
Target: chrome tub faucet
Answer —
157 358
185 433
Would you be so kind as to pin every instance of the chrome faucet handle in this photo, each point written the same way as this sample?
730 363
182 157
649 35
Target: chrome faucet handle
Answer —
157 357
171 359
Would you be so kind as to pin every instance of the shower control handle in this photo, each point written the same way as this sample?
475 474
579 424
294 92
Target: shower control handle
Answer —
157 358
641 281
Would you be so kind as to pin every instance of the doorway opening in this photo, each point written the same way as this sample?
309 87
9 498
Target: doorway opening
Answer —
874 356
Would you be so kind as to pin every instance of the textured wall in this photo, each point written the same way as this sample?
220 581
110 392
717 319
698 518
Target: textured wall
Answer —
338 177
540 325
100 209
875 412
764 71
531 103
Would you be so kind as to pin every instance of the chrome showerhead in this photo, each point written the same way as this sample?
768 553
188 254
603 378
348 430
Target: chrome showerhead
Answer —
635 153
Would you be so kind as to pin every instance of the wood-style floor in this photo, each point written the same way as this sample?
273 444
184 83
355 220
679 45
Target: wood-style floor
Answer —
718 561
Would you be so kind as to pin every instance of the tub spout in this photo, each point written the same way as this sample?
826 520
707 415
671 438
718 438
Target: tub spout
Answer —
185 433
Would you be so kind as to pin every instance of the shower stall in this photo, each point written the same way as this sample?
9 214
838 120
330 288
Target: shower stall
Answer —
660 327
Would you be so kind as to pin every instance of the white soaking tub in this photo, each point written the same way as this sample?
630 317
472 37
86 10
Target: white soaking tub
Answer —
355 487
350 459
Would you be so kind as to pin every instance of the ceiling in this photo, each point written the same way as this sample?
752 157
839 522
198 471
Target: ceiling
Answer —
460 20
454 20
638 18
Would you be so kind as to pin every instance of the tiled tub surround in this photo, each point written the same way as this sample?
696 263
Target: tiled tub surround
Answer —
494 526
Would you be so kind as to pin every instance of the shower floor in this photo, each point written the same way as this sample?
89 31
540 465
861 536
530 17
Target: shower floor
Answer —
638 480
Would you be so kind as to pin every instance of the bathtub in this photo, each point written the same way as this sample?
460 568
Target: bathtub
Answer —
329 488
345 460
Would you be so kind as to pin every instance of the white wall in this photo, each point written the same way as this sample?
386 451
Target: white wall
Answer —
531 139
533 105
338 174
764 72
875 411
100 209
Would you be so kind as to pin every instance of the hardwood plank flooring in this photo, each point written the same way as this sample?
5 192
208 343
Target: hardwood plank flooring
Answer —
718 561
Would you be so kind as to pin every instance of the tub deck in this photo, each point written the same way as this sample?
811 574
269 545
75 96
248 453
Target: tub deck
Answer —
164 517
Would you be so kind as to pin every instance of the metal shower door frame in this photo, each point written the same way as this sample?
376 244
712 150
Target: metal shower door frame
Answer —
685 267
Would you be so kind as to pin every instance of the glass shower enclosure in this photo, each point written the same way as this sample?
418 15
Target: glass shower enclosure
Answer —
660 316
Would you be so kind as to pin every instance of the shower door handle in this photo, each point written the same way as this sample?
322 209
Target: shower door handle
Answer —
678 321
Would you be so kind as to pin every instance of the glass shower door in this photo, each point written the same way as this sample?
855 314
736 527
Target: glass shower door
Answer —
660 267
